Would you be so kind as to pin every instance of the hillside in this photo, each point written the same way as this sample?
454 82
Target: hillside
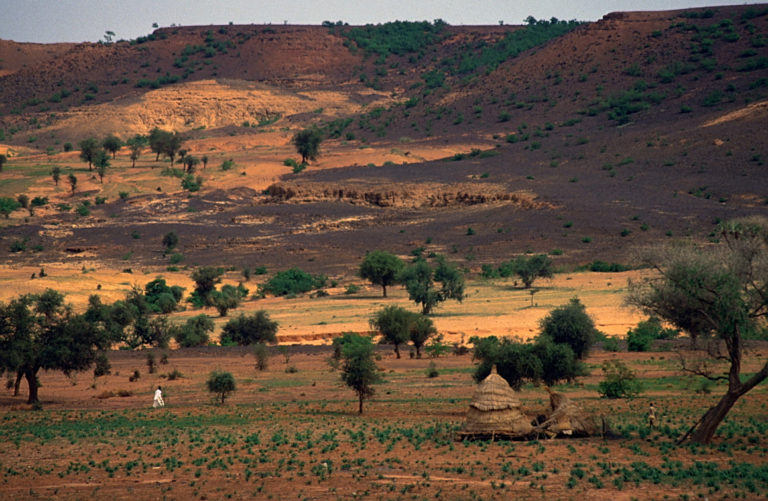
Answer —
585 141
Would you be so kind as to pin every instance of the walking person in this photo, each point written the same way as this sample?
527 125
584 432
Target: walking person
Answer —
651 416
158 401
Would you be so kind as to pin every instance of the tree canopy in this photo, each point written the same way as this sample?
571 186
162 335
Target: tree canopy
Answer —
420 280
307 143
359 370
245 330
570 324
381 268
88 149
393 322
719 292
38 331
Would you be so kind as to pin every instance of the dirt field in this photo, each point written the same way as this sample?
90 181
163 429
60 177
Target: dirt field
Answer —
294 432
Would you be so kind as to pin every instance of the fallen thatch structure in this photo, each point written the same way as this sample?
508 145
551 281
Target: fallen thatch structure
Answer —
495 412
566 418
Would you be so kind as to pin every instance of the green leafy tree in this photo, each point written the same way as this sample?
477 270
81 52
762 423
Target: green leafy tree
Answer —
221 384
421 280
307 143
165 143
358 370
727 286
381 268
136 144
420 330
570 324
531 268
246 330
88 149
101 161
206 279
191 162
112 144
204 159
227 298
393 323
292 281
40 332
7 206
72 183
56 174
170 241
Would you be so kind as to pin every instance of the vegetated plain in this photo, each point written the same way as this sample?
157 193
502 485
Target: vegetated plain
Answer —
581 141
300 431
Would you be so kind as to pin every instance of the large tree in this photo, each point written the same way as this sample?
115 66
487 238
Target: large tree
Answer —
420 280
307 143
570 324
381 268
359 370
206 279
136 144
88 149
40 332
531 268
394 323
166 143
420 330
725 287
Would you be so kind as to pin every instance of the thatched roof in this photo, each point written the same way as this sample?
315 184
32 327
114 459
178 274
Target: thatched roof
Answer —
494 394
495 411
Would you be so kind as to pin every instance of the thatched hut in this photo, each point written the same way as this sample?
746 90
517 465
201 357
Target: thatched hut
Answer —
566 417
495 412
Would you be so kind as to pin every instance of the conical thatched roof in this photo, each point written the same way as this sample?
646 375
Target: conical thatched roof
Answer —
494 394
495 411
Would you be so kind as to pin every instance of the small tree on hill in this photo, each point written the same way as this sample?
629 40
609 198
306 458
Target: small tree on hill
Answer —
136 144
206 279
381 268
101 161
358 370
72 183
170 241
307 143
88 149
570 324
393 322
221 384
112 144
56 174
7 206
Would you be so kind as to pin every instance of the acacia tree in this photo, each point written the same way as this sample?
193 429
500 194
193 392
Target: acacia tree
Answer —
72 183
726 288
307 143
420 281
420 330
88 149
381 268
112 144
221 384
101 161
531 268
56 174
393 322
136 144
359 370
38 331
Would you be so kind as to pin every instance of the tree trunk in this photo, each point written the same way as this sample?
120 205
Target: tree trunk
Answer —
384 290
713 417
31 376
397 350
418 351
360 403
19 375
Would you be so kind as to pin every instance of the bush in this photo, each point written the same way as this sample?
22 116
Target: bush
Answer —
432 370
641 337
570 325
292 281
262 356
221 384
245 330
619 381
195 332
